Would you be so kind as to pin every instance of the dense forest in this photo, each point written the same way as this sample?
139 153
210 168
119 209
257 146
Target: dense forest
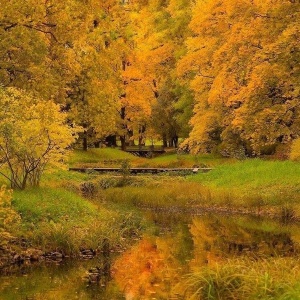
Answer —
215 75
212 214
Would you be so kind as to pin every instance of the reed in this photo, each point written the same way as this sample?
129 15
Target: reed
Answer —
240 279
59 219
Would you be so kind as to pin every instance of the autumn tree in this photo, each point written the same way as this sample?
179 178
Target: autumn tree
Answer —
163 112
151 89
242 68
223 72
33 134
36 45
104 61
61 51
137 91
94 92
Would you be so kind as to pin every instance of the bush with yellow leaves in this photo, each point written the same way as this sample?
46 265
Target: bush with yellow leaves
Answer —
9 218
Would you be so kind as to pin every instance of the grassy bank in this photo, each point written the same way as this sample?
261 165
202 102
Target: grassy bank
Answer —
63 216
253 185
254 176
57 219
71 210
98 157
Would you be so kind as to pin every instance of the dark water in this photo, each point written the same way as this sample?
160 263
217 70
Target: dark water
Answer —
154 266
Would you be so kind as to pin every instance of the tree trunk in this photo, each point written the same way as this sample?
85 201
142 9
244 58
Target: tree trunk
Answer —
24 182
111 141
175 141
85 142
130 135
97 144
142 130
123 142
165 142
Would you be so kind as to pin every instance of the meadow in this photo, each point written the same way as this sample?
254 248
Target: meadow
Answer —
256 186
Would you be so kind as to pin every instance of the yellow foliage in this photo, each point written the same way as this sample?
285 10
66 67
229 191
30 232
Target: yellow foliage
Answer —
295 150
33 134
242 64
9 218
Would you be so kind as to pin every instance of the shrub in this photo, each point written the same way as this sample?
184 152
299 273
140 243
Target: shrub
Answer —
9 218
33 133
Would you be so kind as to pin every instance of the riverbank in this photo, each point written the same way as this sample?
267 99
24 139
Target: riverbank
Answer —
61 219
188 235
252 186
72 212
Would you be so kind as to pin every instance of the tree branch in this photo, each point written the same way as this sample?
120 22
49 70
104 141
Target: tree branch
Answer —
8 26
41 30
205 76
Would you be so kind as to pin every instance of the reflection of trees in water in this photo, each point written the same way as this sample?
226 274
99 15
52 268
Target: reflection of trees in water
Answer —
141 272
168 221
155 266
218 238
54 281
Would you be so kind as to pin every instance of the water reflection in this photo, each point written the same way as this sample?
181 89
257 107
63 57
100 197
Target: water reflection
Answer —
154 266
51 281
220 238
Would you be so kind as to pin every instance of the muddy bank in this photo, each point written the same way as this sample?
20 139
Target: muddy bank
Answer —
21 252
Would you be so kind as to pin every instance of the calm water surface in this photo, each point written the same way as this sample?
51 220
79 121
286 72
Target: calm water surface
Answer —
156 264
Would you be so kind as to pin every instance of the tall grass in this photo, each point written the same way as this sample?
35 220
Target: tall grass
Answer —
173 193
240 279
58 219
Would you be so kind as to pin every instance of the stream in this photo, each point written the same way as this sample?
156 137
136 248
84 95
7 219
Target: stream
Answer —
155 265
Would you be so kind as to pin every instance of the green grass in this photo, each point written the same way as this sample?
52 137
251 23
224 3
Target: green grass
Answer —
254 176
239 279
49 204
54 218
111 156
189 160
98 156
